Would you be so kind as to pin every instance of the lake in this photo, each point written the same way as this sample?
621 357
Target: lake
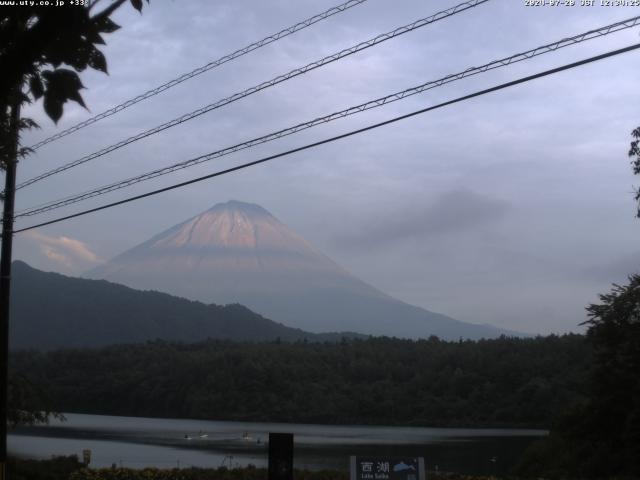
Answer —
139 442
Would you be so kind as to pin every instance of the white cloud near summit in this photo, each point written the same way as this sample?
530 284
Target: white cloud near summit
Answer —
69 253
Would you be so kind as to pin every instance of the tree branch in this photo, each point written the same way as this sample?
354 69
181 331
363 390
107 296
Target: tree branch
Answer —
109 10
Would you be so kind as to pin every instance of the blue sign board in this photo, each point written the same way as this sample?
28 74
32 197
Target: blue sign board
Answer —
387 468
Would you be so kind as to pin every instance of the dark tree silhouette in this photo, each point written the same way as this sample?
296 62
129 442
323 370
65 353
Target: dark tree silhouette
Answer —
42 50
634 152
614 409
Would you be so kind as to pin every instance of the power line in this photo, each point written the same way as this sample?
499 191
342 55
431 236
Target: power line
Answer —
344 135
204 68
270 83
333 116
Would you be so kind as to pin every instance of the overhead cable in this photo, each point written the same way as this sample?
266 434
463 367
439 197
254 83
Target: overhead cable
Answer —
204 68
270 83
339 137
378 102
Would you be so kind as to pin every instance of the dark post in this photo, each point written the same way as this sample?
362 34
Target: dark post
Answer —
281 456
5 277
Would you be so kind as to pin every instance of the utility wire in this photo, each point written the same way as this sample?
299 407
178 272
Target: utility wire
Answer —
333 116
270 83
344 135
204 68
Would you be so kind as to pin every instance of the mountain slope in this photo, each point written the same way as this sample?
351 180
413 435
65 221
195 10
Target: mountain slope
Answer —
240 253
50 310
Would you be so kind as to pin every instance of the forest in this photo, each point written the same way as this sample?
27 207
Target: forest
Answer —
505 382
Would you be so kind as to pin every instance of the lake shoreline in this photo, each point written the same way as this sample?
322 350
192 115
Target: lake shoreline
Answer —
505 426
140 442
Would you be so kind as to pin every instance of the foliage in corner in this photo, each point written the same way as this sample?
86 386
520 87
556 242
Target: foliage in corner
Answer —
600 438
614 413
42 50
634 151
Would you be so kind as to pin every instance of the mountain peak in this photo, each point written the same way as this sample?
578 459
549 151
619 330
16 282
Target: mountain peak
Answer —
238 206
233 224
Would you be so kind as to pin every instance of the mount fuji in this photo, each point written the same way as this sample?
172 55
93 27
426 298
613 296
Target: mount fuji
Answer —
238 252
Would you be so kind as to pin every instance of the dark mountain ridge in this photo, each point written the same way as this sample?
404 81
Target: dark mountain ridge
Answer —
49 310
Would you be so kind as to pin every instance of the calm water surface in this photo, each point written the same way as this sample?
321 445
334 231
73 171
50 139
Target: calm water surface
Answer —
139 442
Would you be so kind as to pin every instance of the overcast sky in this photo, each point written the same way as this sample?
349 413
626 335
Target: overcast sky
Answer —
514 209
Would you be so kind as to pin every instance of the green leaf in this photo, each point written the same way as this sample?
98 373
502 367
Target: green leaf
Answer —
80 57
53 107
94 37
97 61
35 84
61 85
25 151
137 4
64 79
24 99
76 97
27 123
106 25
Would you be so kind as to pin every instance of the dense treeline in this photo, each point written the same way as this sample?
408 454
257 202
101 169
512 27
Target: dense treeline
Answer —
501 382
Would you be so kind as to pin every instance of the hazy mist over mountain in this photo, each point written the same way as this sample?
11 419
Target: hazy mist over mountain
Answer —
239 253
52 311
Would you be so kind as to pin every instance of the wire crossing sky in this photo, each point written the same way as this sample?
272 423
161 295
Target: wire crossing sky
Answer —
340 137
503 62
205 68
262 86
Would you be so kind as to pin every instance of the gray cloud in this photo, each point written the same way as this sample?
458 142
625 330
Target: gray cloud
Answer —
451 212
616 271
